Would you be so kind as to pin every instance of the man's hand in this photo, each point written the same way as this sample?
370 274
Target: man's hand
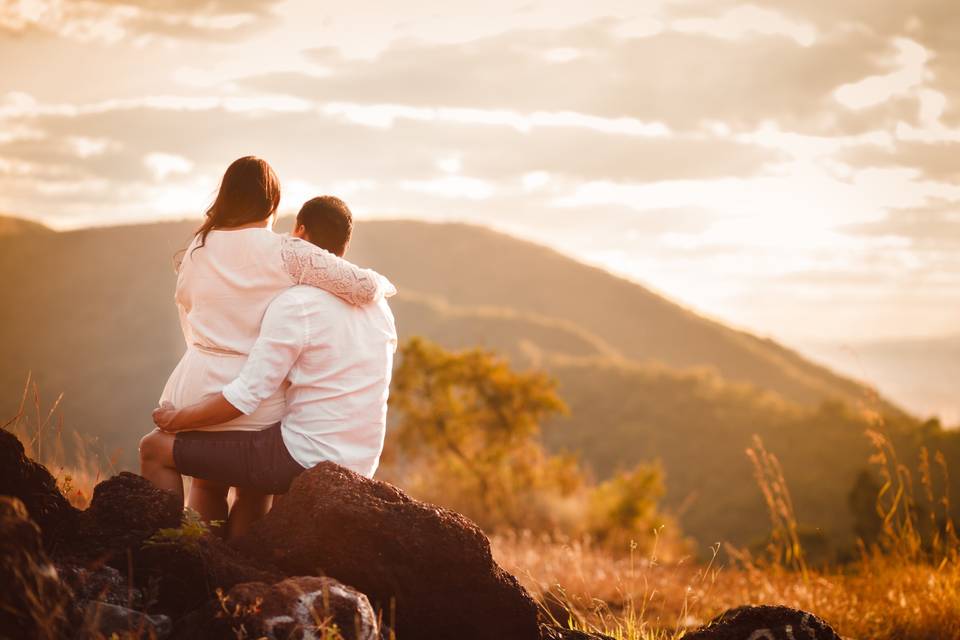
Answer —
165 417
212 411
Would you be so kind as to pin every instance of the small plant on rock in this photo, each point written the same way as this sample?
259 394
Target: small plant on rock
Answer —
191 529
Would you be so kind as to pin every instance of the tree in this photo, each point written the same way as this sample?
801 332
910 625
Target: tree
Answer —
623 509
467 427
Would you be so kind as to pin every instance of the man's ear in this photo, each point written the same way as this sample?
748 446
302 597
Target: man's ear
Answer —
300 232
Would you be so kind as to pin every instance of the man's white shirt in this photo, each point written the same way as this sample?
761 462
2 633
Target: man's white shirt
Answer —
338 359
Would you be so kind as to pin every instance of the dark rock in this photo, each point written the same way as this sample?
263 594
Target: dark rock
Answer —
552 632
765 623
429 570
124 512
30 481
304 607
186 575
100 583
33 601
103 620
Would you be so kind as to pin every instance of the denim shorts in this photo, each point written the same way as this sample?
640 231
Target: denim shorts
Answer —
251 459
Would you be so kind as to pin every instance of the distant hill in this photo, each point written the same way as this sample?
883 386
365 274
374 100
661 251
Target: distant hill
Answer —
492 269
13 226
921 373
90 312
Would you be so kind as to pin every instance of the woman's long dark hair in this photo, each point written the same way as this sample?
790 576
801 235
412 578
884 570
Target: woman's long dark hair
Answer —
249 192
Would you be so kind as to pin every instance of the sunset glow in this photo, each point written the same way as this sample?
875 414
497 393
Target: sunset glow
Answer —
787 167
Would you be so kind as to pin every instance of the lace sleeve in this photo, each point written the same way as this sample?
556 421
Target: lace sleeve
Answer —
307 263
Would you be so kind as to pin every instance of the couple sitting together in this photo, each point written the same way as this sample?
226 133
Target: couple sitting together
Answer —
289 354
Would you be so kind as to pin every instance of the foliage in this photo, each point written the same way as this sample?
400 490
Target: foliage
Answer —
467 417
623 509
697 425
192 528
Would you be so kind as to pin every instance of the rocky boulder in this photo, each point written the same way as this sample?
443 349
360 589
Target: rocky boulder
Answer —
765 623
302 607
99 583
33 485
429 570
103 620
124 512
186 573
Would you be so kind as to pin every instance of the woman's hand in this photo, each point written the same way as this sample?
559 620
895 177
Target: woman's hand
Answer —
165 417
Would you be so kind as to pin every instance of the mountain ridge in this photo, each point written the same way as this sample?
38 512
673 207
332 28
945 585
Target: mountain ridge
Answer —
90 312
646 330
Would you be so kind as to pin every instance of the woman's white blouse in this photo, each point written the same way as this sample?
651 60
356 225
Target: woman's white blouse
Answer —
223 290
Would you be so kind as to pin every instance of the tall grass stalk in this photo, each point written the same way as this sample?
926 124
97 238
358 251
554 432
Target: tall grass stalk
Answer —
784 547
41 431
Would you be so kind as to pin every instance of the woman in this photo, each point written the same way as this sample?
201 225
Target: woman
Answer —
235 265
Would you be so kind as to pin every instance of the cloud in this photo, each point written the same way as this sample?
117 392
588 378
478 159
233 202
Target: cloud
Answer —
934 24
578 155
928 228
937 160
680 79
738 22
385 115
115 20
162 165
450 186
85 147
209 131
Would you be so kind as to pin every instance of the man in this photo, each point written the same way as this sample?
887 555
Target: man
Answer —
338 359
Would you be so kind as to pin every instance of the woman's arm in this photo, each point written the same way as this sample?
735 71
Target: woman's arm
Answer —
214 410
308 264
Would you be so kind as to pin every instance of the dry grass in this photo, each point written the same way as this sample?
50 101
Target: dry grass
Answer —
907 587
587 587
878 598
41 431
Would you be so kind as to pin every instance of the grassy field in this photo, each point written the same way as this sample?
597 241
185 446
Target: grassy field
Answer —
905 587
881 597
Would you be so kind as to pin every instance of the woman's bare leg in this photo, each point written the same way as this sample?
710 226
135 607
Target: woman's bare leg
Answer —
249 506
156 462
209 499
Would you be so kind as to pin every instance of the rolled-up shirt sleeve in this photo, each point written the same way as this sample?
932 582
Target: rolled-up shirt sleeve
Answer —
283 333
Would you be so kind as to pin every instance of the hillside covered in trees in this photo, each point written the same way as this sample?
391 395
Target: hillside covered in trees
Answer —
90 313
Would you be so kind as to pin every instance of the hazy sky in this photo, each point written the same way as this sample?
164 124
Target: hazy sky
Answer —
789 166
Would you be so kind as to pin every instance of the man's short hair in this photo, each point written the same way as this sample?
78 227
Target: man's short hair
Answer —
328 222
